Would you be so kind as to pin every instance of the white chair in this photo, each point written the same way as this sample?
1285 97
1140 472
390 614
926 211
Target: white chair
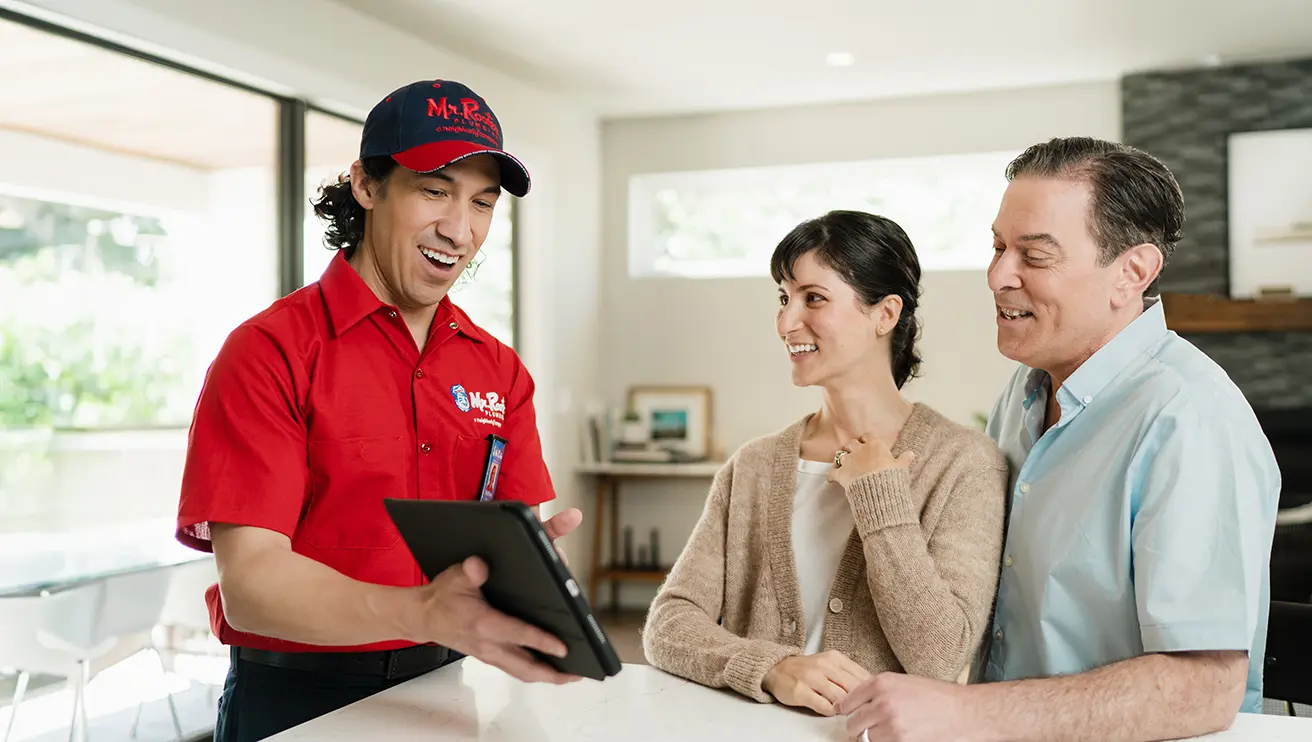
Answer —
184 607
85 623
185 611
21 619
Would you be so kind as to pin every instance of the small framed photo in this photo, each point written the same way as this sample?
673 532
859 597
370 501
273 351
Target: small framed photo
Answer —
677 418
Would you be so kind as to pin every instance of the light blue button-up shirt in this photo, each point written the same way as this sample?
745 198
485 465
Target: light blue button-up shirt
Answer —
1141 521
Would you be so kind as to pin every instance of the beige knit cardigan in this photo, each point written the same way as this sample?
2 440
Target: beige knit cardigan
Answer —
914 589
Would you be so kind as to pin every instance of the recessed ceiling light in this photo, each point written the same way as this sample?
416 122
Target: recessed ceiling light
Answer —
840 59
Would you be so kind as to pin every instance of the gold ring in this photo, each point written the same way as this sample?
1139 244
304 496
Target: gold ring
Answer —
838 458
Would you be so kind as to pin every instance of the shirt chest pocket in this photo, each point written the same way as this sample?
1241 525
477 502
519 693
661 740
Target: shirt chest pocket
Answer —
467 462
349 480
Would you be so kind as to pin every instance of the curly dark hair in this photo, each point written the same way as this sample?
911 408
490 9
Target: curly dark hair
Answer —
337 206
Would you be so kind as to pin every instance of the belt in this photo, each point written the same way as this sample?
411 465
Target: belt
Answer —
393 663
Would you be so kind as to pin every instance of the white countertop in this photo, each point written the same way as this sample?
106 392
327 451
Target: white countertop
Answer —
472 701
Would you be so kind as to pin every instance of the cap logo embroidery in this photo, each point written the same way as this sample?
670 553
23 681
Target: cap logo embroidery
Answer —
461 398
479 124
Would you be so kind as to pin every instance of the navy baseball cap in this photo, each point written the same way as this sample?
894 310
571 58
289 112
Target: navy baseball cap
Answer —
430 124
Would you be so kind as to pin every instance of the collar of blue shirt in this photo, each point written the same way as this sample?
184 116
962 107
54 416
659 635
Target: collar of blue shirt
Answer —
1104 365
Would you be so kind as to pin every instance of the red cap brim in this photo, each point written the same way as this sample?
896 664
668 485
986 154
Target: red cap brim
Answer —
427 158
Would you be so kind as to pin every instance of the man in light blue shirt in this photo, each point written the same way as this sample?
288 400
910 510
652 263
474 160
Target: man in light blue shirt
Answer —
1133 598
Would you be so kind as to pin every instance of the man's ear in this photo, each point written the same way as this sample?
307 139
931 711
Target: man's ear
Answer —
1138 267
364 188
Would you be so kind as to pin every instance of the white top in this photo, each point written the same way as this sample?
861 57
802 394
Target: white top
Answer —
822 523
472 702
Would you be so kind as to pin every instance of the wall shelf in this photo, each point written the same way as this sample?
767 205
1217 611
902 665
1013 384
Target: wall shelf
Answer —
1199 313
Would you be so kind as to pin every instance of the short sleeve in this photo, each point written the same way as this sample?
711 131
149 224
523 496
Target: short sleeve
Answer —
1202 530
524 475
246 461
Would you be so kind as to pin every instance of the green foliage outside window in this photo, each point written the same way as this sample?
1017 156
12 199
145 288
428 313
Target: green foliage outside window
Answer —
81 341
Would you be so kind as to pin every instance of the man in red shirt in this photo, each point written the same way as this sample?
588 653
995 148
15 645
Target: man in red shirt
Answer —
366 385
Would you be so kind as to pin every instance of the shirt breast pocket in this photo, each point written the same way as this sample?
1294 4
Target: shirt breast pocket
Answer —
349 479
467 466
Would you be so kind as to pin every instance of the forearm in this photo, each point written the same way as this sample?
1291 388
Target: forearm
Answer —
682 639
931 629
932 609
1144 699
274 592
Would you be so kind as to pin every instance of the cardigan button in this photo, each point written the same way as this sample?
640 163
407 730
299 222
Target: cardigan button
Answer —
835 606
792 626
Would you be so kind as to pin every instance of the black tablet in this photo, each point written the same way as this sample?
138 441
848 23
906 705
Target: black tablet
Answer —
526 578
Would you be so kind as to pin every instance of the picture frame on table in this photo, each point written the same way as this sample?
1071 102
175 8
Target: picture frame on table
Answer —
675 418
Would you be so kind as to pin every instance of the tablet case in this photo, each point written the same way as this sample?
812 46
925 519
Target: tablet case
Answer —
526 578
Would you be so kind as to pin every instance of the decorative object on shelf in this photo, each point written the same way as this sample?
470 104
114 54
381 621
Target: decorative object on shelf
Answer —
1269 210
628 547
597 434
642 556
632 430
655 550
677 419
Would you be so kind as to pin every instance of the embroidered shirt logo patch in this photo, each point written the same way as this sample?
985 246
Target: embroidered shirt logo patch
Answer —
461 397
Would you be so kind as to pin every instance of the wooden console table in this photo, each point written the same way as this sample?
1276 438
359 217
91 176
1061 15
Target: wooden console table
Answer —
608 476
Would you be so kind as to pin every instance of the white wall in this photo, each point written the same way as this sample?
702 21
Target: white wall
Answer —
721 332
341 58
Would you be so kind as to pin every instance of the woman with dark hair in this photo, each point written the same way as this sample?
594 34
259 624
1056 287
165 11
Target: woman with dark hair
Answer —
864 537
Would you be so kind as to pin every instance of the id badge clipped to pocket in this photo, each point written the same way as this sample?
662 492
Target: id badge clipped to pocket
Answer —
496 452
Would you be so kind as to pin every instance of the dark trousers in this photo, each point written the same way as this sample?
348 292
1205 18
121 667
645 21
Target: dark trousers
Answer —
260 701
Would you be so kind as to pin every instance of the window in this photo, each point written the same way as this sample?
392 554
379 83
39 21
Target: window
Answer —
726 223
486 291
138 217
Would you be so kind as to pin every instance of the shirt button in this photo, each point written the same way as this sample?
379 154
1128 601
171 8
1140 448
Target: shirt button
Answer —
835 606
419 373
1024 487
425 447
392 314
454 325
998 635
1087 399
1008 560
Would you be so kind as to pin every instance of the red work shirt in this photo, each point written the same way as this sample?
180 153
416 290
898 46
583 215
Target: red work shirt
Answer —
320 406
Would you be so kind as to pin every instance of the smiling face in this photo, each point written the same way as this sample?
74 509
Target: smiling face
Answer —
828 333
1055 304
421 230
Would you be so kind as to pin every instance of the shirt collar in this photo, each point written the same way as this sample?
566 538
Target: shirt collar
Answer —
1111 359
350 300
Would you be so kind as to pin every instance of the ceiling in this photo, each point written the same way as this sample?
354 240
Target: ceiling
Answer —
81 93
675 56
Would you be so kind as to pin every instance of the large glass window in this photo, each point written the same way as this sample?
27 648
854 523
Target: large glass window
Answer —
137 229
